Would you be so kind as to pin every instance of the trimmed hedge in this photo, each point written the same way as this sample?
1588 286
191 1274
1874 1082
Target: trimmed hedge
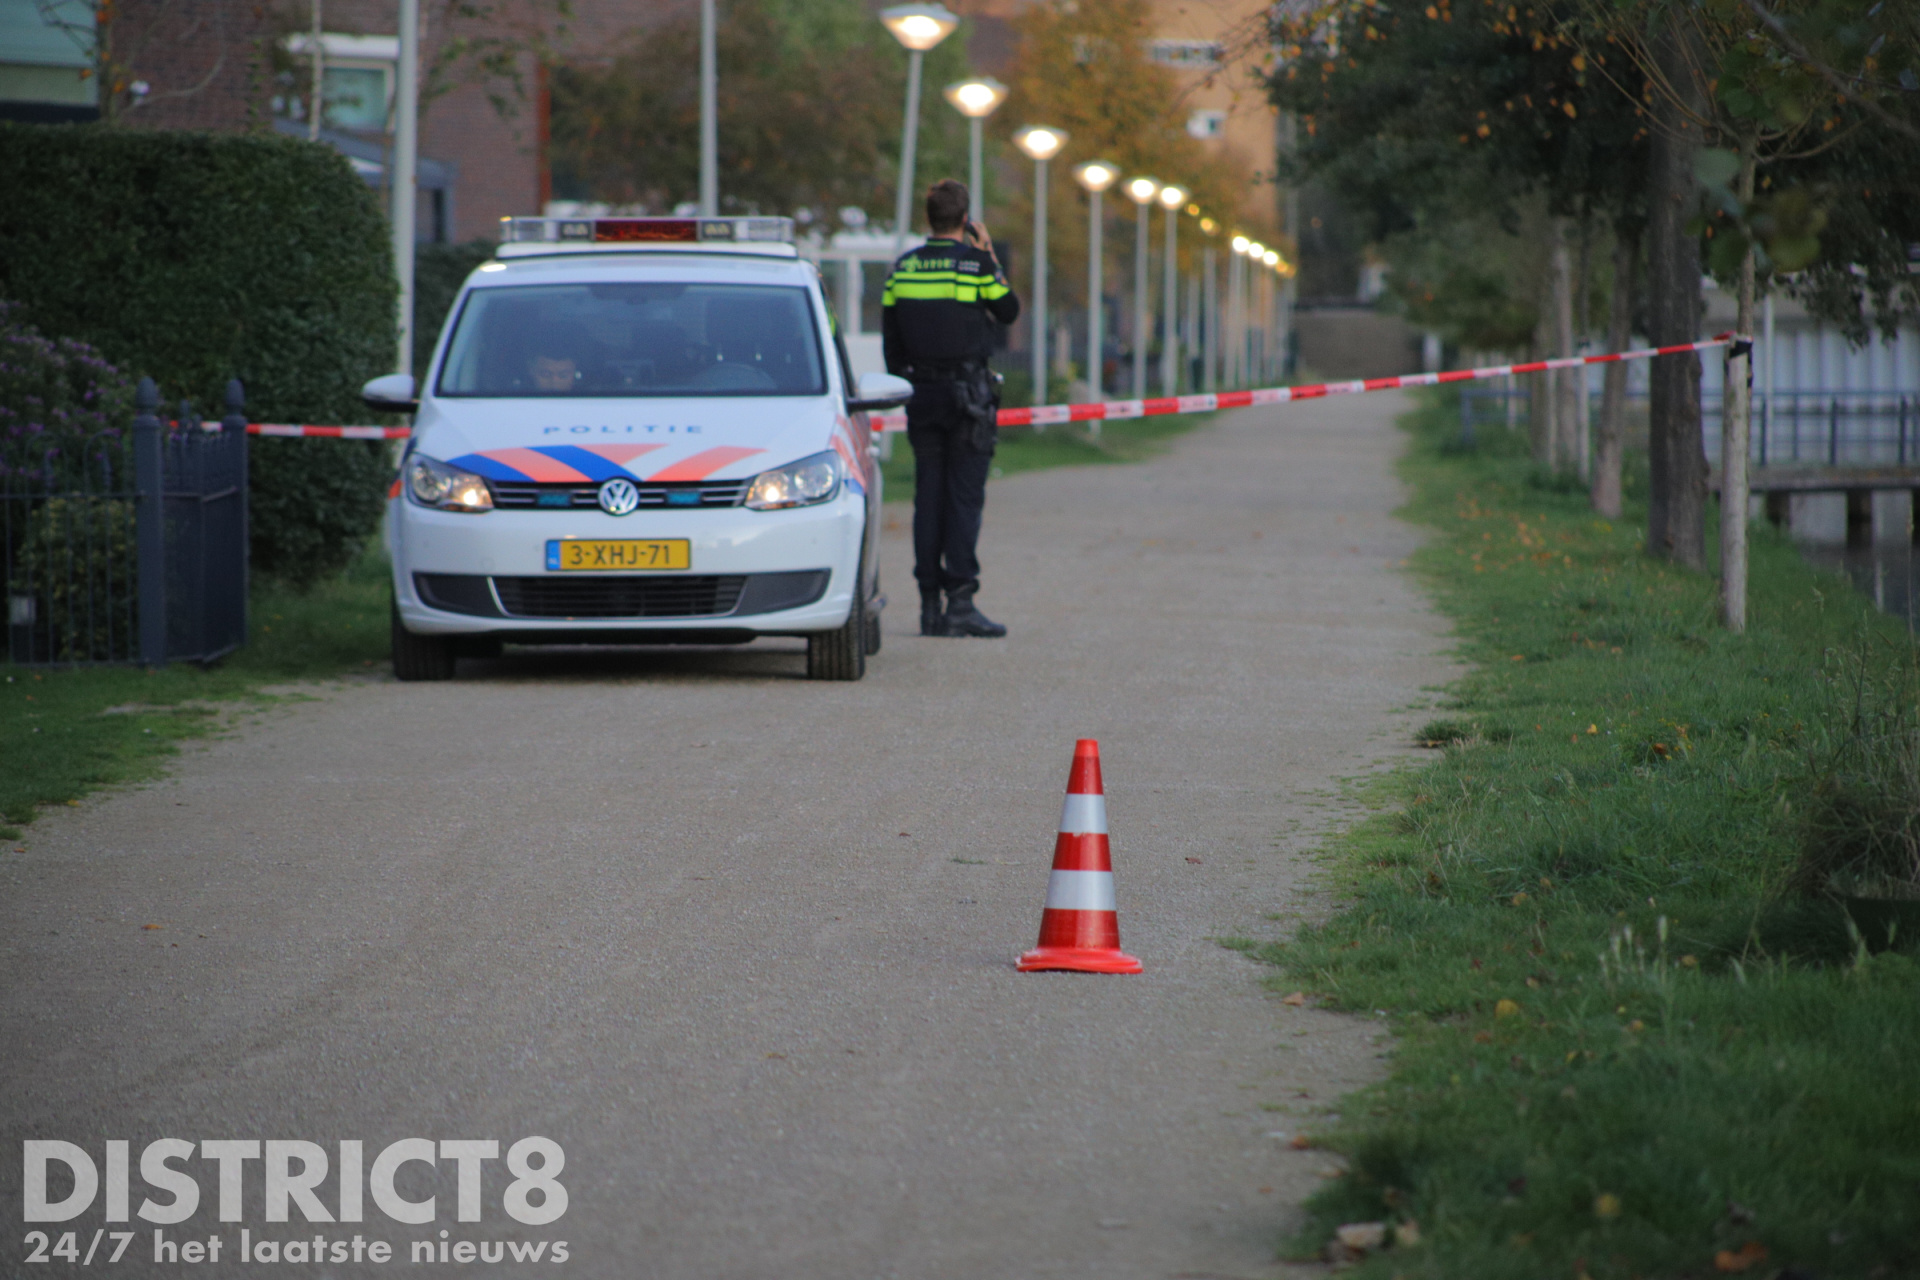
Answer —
195 258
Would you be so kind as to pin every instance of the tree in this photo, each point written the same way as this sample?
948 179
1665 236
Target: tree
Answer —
1084 68
810 97
1734 73
1474 114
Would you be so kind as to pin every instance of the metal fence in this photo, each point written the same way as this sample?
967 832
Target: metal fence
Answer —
1822 428
127 545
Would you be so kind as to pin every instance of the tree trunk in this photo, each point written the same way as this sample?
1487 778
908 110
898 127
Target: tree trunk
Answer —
1582 407
1736 402
1566 410
1610 445
1540 415
1676 458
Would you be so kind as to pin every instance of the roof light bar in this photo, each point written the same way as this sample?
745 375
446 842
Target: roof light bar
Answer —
584 231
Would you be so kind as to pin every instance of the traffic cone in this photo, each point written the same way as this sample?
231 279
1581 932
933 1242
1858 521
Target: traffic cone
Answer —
1080 930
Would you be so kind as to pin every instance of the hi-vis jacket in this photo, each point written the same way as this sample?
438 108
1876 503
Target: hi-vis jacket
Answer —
939 308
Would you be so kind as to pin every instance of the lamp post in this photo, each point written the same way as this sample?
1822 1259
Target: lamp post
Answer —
919 27
1096 176
1141 191
1270 314
1041 144
1236 329
709 112
1171 198
976 100
406 140
1209 311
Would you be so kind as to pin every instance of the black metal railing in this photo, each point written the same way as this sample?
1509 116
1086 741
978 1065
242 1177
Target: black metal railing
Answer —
1809 428
127 545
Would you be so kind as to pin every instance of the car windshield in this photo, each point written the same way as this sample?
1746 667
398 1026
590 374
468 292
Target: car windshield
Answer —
623 339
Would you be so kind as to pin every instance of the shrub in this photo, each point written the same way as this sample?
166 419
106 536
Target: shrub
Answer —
438 272
58 399
208 257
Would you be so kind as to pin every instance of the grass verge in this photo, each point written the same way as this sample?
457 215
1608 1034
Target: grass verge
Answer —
1632 1044
1065 445
67 731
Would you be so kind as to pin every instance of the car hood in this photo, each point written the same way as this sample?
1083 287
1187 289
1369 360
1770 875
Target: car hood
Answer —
660 441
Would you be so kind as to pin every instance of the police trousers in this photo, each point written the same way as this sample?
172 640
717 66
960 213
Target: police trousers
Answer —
949 490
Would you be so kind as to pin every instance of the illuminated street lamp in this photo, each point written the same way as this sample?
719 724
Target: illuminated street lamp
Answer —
919 27
1141 191
976 100
1209 310
1096 176
1041 144
1236 331
1171 198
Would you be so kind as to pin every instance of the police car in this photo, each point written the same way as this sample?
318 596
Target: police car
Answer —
637 431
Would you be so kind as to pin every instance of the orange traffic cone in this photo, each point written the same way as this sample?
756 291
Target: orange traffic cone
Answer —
1080 930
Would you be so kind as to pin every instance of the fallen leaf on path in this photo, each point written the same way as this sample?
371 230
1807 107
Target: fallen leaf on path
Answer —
1297 999
153 926
1194 861
1300 1142
1361 1236
1751 1254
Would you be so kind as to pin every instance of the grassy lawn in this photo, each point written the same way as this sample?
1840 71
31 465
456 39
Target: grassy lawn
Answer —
67 731
1027 449
1658 1010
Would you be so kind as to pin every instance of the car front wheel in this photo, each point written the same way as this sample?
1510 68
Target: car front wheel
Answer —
417 657
840 654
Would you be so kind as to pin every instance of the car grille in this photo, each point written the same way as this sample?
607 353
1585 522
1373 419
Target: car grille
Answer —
512 495
620 597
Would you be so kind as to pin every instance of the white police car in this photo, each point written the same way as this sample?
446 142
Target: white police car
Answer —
637 430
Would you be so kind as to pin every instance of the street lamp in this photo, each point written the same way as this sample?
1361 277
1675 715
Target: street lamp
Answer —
1041 144
1096 176
1236 329
1209 311
919 27
1141 191
976 100
1171 198
709 111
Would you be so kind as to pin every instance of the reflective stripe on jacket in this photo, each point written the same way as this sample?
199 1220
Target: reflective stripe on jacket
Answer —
940 306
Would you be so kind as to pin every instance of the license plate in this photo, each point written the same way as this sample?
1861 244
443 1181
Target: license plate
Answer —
615 555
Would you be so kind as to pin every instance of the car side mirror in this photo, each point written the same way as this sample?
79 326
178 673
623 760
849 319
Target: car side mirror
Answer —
393 393
880 391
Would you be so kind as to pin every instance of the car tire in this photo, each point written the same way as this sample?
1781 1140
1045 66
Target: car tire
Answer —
840 654
873 625
417 657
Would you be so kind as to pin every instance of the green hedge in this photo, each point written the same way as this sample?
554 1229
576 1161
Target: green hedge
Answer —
195 258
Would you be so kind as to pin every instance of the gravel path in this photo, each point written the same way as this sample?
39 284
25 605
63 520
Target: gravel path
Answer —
742 943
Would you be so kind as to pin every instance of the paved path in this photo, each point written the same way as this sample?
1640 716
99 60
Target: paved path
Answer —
743 943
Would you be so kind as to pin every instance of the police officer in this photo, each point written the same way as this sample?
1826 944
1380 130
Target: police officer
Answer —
937 327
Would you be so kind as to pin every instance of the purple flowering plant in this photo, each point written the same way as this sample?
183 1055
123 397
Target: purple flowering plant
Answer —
62 404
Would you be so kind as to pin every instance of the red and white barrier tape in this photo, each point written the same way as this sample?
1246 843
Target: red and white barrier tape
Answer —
1113 410
1109 410
330 433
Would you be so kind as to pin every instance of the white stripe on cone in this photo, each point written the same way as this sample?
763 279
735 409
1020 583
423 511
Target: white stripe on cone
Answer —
1080 891
1084 815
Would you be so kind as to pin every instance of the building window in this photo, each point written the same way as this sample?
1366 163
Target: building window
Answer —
356 80
1192 54
1207 124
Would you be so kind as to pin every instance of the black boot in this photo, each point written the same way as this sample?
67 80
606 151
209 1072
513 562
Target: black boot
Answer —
964 619
933 622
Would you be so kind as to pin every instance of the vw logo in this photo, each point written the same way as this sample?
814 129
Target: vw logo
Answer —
619 497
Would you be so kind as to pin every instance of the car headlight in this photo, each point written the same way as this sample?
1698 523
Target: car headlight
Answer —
799 484
435 484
